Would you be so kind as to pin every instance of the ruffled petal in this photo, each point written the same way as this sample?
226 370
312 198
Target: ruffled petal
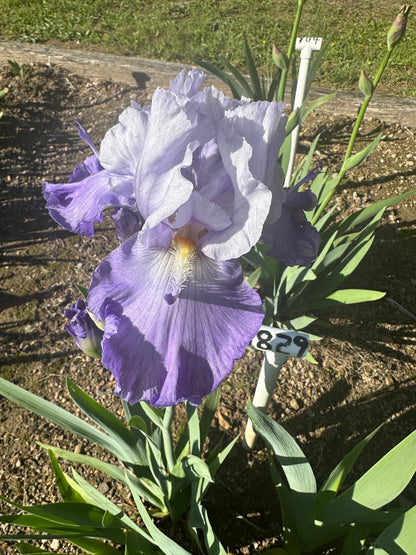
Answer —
165 352
187 83
251 205
122 147
78 204
293 239
176 129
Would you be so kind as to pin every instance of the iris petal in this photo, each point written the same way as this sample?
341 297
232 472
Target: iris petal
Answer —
165 352
122 147
78 204
293 239
187 83
176 129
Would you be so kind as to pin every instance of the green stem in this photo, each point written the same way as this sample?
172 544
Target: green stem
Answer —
354 134
194 429
283 77
167 437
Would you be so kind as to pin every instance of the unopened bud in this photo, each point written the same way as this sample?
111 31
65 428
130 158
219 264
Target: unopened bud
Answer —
397 30
83 329
365 84
280 58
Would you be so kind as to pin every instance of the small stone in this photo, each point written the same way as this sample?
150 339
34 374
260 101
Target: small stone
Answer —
103 487
294 404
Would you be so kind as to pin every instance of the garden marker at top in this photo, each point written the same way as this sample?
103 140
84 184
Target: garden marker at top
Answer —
307 46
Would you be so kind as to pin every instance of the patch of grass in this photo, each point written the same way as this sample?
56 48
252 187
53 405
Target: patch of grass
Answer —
185 30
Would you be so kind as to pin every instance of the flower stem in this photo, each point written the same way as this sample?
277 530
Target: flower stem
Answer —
364 106
292 43
167 437
354 134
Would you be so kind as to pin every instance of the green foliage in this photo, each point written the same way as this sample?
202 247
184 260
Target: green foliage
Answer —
314 519
184 31
16 67
292 295
171 477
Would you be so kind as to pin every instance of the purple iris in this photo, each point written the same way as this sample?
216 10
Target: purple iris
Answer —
82 328
199 171
293 239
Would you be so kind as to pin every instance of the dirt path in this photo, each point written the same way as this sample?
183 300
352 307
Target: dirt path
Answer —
154 73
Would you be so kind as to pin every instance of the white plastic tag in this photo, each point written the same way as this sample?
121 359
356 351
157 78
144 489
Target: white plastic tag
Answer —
314 43
290 343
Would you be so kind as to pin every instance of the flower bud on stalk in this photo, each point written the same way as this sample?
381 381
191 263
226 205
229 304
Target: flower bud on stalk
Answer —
397 30
280 58
87 334
365 84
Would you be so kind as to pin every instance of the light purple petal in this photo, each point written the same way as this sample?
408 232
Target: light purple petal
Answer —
164 350
250 206
201 210
262 124
122 147
187 83
210 178
176 129
78 204
248 137
83 133
90 166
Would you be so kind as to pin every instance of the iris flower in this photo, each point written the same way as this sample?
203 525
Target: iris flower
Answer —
192 180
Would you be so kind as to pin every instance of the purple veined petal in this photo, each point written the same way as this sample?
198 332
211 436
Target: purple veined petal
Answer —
165 350
122 147
293 239
90 166
176 130
126 221
78 204
187 83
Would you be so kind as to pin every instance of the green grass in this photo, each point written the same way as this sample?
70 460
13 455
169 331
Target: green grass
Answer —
182 31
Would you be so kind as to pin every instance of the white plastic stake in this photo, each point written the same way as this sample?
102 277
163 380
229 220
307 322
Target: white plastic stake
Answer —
307 46
269 373
278 345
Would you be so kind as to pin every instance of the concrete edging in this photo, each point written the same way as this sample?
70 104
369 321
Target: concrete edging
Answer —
150 74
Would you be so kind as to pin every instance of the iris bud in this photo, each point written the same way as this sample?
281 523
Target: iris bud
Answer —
365 84
279 58
83 329
397 30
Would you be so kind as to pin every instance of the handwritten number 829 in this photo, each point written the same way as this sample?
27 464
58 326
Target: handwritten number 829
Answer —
284 344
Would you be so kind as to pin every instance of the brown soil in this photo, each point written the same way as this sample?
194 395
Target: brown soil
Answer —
366 372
